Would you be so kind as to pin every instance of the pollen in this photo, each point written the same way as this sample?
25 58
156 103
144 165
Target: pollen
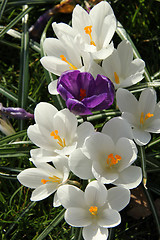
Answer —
116 78
144 118
72 67
113 160
88 30
93 210
53 179
82 94
60 141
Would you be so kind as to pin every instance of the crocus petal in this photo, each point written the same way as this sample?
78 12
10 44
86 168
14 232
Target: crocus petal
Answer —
141 137
80 165
52 88
130 177
43 191
32 177
44 110
109 218
53 47
56 202
84 130
70 196
78 217
126 101
62 29
137 65
116 128
131 80
95 232
154 127
125 53
77 107
118 198
147 101
95 194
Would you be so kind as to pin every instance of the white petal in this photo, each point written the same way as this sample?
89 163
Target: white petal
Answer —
137 65
78 217
154 127
102 53
56 202
95 194
80 165
60 162
147 101
131 80
108 30
43 191
128 152
52 88
32 177
125 54
44 113
62 29
95 232
70 196
109 218
141 137
116 128
84 130
54 65
126 101
130 178
118 198
54 47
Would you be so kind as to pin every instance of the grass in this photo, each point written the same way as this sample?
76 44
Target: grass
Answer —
23 83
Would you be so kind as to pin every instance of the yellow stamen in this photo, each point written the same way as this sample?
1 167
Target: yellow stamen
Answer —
113 160
143 119
56 136
82 94
116 78
88 30
93 210
53 179
72 67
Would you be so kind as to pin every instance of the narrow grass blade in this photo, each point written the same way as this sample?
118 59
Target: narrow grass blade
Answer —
50 227
124 35
5 92
24 67
13 137
2 7
29 2
15 20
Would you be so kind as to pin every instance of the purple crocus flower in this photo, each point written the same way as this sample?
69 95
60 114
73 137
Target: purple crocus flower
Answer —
84 94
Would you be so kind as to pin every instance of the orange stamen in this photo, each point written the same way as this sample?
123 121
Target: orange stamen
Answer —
116 78
53 179
88 30
143 119
82 93
56 136
113 160
72 67
93 210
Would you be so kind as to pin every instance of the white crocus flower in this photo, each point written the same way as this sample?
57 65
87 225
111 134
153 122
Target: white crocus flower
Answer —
45 179
56 132
142 115
108 156
95 210
96 28
120 67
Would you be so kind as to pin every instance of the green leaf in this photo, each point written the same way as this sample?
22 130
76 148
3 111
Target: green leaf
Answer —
2 7
53 224
15 20
13 137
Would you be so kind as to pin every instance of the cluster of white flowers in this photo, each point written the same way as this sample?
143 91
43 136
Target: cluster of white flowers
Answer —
104 157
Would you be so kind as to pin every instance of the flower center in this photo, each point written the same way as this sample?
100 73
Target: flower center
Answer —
82 93
58 138
93 210
144 118
53 179
88 30
113 160
72 67
116 78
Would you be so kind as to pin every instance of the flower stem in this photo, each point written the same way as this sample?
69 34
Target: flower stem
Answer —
143 165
